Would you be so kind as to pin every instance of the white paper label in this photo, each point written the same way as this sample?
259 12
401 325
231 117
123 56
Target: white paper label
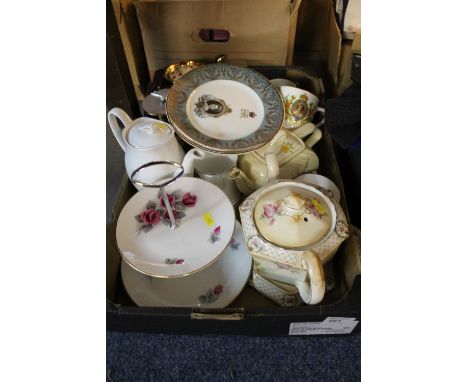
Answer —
331 325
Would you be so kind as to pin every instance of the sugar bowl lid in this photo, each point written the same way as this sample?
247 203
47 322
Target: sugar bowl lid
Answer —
148 133
175 230
293 215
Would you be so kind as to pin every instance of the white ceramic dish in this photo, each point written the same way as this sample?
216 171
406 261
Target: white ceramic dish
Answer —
214 287
206 225
323 182
225 109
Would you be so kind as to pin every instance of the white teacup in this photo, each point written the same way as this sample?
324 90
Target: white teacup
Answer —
300 107
215 169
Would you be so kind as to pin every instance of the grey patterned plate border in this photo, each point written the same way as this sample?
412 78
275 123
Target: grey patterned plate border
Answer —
271 99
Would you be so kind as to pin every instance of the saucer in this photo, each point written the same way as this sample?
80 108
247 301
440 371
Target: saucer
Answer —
321 181
214 287
154 104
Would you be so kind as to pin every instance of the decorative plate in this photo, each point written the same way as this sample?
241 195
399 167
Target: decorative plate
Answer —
206 224
214 287
225 108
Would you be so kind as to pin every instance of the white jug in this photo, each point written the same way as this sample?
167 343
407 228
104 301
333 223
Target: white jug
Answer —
147 140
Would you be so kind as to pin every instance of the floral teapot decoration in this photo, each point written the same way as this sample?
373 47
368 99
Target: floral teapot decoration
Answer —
291 230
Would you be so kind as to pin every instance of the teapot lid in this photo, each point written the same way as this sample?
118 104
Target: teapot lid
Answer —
294 216
149 133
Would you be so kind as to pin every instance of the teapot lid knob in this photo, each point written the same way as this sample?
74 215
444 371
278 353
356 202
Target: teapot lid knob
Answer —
294 201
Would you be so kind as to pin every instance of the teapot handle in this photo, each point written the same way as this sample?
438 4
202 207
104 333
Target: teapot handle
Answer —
313 289
313 138
305 130
270 157
124 118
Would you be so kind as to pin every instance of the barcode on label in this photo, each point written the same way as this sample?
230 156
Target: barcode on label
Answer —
331 325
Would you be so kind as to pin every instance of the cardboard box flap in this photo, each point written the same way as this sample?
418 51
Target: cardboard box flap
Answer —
318 38
259 30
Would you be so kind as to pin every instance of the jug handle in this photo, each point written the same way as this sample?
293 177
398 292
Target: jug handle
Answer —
189 158
270 157
124 118
313 289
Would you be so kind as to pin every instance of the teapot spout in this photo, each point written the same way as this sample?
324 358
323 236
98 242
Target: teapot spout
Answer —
244 184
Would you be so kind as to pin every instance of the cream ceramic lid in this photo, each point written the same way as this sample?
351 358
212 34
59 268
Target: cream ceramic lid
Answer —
149 133
294 215
206 225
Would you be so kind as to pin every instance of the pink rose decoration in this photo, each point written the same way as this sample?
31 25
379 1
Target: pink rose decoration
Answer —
269 210
150 217
218 289
217 230
171 199
179 261
189 200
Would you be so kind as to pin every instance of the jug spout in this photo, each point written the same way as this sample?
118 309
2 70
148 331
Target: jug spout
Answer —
244 184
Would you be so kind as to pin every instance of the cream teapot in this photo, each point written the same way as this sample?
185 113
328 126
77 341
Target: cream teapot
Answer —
291 230
285 157
147 140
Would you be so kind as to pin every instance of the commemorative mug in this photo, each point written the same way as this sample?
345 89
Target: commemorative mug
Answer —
300 107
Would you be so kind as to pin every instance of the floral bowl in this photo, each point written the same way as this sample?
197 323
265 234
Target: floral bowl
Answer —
214 287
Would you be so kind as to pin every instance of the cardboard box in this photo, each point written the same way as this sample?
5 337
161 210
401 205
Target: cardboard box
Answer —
251 313
130 35
157 33
316 49
261 32
318 40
